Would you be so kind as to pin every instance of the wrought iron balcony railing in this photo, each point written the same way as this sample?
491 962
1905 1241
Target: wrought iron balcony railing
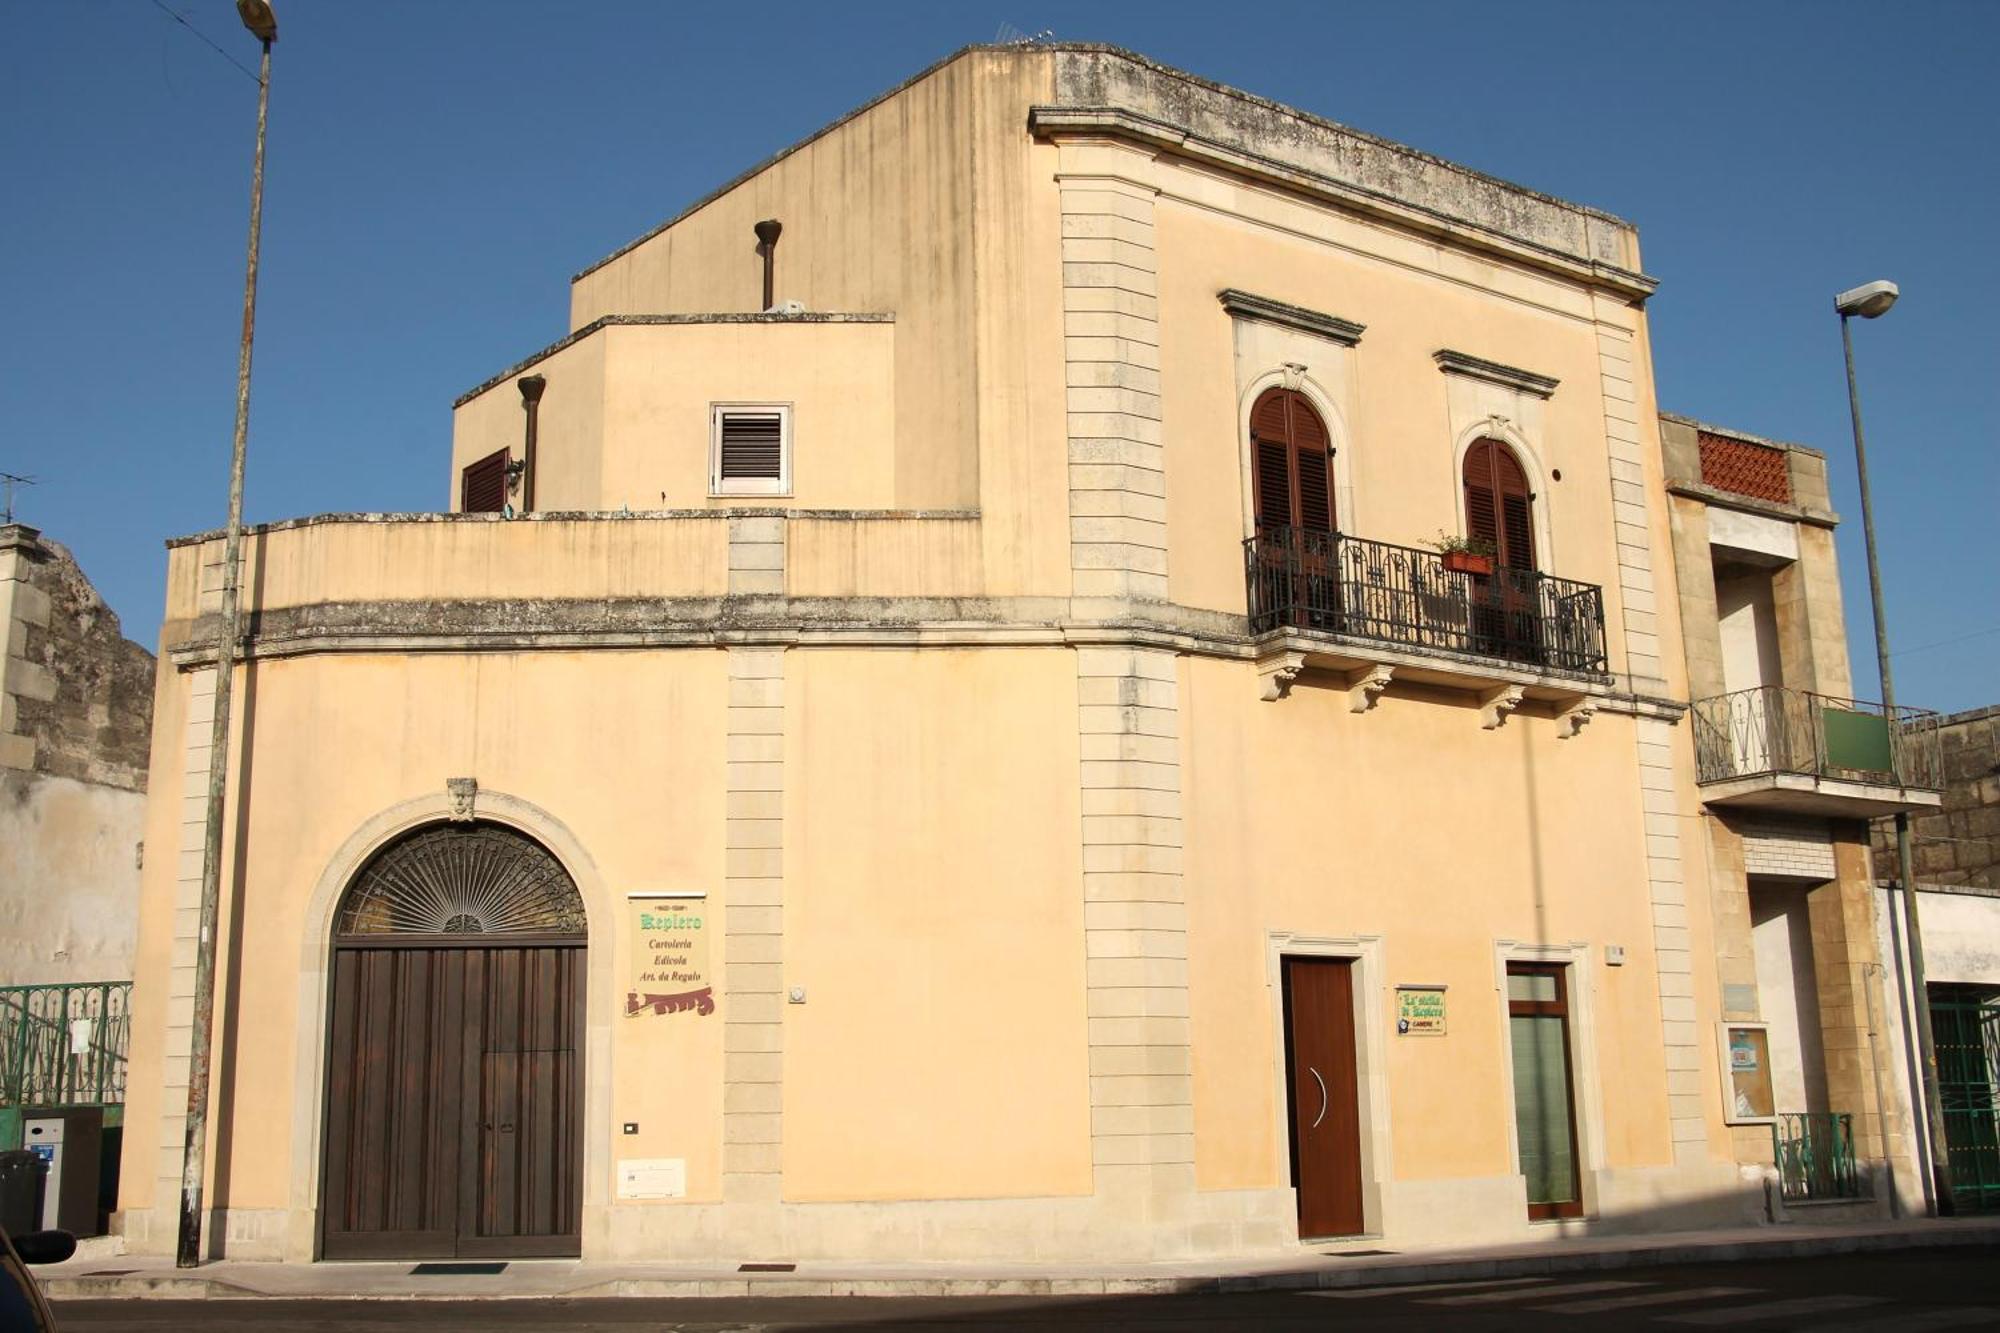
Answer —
1772 730
1814 1152
64 1045
1338 584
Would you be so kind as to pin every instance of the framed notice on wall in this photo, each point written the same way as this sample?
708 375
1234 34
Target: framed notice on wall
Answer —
1420 1011
1746 1067
667 968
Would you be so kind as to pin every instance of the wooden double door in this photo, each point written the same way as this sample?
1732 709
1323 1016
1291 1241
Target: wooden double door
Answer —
454 1100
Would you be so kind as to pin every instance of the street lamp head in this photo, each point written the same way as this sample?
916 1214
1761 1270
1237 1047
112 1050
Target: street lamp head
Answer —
1868 300
258 18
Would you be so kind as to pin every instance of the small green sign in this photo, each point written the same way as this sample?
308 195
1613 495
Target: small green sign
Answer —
1420 1011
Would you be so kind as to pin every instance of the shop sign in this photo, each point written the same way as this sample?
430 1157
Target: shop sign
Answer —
668 967
1420 1011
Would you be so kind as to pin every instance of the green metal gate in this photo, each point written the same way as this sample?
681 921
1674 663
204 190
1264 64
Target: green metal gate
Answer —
62 1045
1965 1025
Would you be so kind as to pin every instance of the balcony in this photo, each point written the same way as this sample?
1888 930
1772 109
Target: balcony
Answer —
1812 754
1373 595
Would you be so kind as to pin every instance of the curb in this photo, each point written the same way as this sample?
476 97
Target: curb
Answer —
137 1286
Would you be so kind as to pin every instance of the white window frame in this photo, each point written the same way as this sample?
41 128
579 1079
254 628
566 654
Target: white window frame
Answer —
741 486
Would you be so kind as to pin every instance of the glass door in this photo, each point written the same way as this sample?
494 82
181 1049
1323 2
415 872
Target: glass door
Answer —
1544 1104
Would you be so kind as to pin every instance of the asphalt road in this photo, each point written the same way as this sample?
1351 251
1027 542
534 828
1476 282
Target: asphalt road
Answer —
1905 1292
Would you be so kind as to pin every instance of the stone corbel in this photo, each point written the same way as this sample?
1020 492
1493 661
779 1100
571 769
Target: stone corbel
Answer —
1365 685
1278 671
1574 716
1496 704
463 792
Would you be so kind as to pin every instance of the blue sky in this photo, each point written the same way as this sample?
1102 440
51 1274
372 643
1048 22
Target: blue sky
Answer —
437 171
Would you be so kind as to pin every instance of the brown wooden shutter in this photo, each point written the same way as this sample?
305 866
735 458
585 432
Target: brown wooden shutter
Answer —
482 487
1292 475
1498 506
752 447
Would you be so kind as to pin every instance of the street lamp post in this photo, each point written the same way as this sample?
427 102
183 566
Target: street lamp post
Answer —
1870 301
263 25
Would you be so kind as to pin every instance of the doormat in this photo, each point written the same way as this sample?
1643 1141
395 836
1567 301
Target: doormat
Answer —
767 1268
1352 1254
113 1272
457 1270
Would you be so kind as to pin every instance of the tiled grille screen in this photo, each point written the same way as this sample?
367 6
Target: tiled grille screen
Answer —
1755 470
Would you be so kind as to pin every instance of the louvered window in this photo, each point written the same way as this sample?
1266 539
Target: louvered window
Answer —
1499 509
482 486
751 450
1292 472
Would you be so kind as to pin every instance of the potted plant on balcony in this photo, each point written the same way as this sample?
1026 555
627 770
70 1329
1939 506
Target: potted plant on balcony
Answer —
1465 555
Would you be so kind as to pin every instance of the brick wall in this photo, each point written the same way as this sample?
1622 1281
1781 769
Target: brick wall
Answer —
1795 849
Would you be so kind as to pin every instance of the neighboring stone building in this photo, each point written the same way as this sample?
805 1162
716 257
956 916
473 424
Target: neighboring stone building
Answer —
1790 770
76 724
1956 850
76 714
987 761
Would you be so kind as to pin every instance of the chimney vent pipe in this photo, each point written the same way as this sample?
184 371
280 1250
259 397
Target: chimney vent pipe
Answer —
768 232
531 387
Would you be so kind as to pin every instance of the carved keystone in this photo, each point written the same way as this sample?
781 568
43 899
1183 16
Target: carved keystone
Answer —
1496 704
1278 671
1366 685
463 792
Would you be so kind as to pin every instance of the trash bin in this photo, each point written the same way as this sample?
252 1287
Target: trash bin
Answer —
68 1139
21 1176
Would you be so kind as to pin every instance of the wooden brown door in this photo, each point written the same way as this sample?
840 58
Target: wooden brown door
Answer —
1325 1102
524 1195
454 1101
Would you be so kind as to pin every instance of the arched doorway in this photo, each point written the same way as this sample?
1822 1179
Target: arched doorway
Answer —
454 1101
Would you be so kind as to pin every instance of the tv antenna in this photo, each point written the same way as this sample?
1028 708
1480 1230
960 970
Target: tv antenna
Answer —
8 481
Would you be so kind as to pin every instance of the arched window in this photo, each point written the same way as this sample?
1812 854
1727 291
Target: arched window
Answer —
1499 508
1293 463
462 879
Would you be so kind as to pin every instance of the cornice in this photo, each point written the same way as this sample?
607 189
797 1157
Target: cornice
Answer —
627 321
1264 309
1178 141
1721 499
1479 368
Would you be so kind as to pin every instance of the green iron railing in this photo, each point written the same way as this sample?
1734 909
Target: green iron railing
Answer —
1814 1151
1965 1022
62 1045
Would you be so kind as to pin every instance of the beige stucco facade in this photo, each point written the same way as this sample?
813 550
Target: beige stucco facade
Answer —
1007 807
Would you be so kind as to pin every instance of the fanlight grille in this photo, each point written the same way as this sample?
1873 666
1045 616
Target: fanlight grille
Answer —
463 879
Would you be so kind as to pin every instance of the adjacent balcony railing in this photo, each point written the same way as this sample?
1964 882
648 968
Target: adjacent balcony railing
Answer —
1771 731
1400 595
1814 1152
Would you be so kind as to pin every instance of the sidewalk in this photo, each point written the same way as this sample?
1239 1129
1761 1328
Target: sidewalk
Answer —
105 1277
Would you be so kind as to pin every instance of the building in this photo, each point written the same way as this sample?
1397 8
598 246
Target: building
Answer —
1791 769
1956 851
1080 665
76 706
